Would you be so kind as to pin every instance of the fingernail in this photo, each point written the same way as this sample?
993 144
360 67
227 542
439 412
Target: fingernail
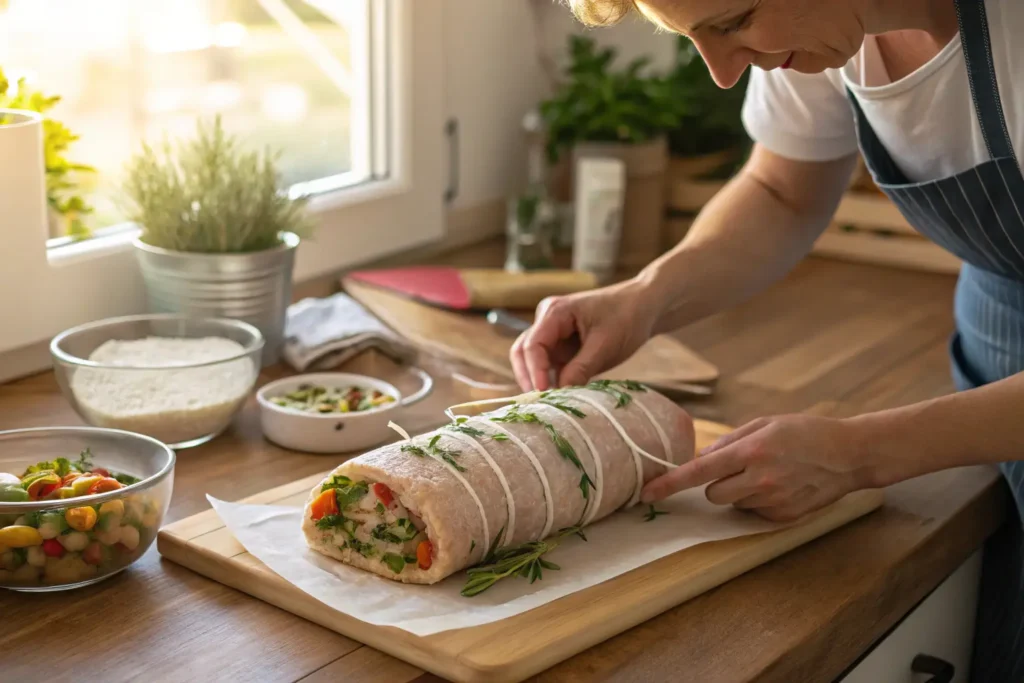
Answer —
646 497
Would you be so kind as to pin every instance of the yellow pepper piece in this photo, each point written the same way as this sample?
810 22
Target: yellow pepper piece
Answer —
113 507
81 519
20 537
82 485
343 406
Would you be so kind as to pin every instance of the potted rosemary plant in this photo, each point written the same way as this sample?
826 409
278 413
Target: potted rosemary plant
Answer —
624 113
218 231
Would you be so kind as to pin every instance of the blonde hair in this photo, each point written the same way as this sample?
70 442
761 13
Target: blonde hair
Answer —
601 12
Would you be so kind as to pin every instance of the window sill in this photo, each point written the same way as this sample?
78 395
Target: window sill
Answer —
118 239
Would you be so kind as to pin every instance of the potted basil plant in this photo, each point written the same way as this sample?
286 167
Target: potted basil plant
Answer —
218 231
626 113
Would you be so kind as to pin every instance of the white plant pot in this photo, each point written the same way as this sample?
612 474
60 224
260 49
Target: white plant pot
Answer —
23 213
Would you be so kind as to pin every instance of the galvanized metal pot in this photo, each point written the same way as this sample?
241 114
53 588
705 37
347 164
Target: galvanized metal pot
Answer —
253 287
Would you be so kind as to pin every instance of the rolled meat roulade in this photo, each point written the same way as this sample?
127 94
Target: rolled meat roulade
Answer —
427 507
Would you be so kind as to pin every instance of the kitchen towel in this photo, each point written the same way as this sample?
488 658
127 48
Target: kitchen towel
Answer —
322 334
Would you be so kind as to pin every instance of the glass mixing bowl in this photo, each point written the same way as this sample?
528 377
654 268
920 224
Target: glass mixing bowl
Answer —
65 543
182 403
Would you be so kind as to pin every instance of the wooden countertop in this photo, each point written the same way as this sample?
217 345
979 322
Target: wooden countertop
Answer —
832 338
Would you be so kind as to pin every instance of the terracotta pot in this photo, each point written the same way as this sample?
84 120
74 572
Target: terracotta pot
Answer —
643 219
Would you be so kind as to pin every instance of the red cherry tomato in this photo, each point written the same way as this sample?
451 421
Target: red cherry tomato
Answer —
53 548
383 494
101 471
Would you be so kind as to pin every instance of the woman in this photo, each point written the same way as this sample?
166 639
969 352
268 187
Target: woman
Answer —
928 91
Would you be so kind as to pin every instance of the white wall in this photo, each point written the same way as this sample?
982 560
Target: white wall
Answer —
494 77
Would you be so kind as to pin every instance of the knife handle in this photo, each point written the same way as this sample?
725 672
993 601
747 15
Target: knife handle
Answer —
496 288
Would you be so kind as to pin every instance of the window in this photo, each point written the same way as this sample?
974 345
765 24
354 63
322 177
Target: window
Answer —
294 75
348 91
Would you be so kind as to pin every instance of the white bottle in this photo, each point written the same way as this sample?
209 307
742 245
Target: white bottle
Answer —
600 194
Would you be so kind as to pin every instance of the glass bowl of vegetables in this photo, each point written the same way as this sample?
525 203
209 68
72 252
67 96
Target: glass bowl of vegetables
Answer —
78 504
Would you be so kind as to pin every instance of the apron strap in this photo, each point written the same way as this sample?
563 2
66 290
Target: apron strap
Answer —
981 74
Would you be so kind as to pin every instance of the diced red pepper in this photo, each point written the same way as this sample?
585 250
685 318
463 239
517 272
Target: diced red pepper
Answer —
53 548
68 478
48 489
324 504
383 494
36 488
424 552
93 554
101 471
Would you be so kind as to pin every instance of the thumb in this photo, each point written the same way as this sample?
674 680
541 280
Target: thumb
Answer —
591 359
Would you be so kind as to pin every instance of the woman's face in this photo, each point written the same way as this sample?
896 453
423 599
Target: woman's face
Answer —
806 35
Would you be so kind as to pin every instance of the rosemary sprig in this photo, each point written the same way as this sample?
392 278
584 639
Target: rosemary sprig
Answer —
565 448
460 426
526 560
557 402
652 514
618 389
446 454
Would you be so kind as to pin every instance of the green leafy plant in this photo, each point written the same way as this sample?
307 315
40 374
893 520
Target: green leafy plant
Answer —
711 115
599 103
209 195
62 176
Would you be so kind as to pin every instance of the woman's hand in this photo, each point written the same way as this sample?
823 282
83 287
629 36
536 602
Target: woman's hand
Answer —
781 468
578 336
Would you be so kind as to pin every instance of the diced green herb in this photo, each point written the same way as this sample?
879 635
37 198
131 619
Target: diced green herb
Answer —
556 402
381 533
364 549
330 522
472 545
467 430
410 559
380 508
395 563
346 491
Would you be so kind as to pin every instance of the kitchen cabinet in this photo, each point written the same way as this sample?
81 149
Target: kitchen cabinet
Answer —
942 627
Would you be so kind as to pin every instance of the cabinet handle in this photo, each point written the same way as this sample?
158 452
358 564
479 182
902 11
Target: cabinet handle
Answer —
941 670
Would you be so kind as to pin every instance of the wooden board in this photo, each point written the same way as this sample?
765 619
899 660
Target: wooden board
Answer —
466 337
515 648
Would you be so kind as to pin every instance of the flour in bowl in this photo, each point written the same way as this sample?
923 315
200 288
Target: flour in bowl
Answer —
157 394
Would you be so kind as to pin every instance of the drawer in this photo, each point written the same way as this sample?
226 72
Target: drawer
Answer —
941 626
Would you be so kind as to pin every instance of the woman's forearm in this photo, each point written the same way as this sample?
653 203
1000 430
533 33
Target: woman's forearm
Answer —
976 427
749 235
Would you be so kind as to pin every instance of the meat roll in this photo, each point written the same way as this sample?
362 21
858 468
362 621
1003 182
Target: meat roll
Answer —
427 507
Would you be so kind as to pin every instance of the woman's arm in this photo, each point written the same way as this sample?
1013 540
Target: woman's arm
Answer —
785 467
980 426
754 231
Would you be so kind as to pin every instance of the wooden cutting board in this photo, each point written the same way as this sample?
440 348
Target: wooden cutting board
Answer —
516 648
466 337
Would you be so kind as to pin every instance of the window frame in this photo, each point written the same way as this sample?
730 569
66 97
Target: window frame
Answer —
76 282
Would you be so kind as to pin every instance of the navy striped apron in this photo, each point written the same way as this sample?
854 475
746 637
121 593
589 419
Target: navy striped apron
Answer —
978 215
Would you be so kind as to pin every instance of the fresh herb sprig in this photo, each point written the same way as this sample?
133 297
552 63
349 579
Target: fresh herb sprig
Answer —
565 448
460 426
618 389
446 454
557 402
652 513
526 560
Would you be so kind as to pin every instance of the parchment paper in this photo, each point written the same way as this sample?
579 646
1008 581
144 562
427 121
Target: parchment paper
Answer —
621 542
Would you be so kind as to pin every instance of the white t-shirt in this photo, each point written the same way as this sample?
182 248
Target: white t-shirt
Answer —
926 120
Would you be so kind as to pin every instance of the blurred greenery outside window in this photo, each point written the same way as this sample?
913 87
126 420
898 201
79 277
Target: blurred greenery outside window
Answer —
279 72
